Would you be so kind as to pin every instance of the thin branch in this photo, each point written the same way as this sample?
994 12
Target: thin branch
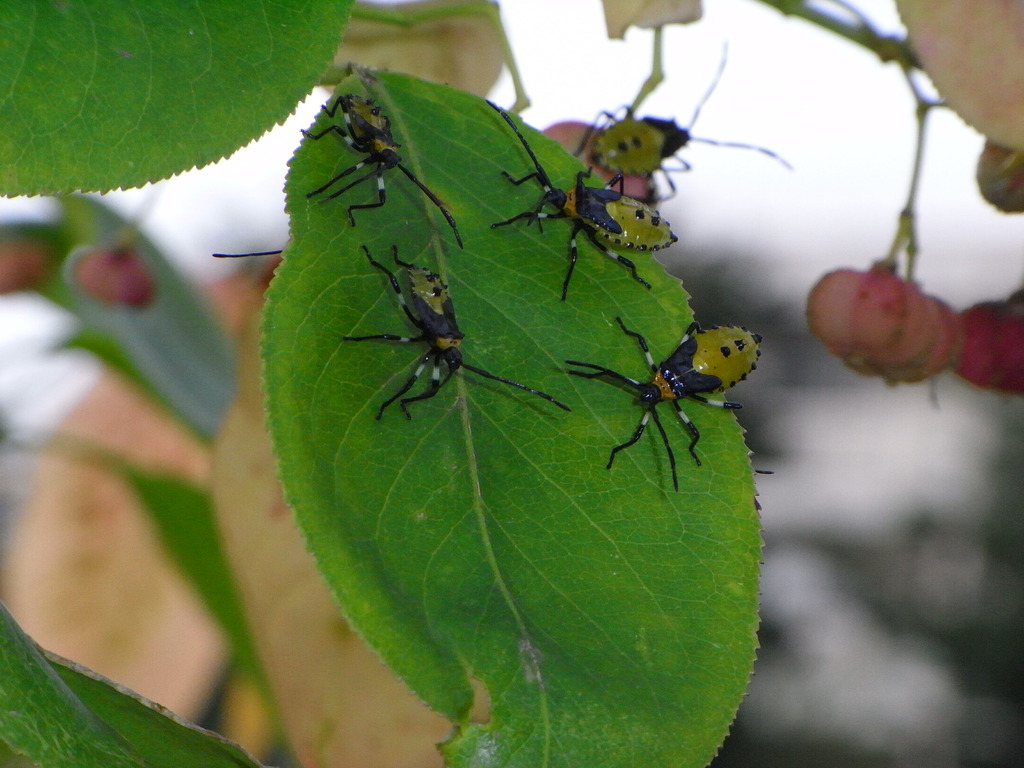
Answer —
860 30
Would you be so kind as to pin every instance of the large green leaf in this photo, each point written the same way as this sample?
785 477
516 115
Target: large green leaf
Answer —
611 619
63 716
117 93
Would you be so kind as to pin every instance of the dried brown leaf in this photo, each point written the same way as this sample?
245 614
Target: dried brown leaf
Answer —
973 50
464 51
85 574
619 15
338 703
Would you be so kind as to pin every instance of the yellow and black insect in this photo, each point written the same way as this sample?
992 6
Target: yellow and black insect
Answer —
639 146
433 314
608 217
367 131
705 362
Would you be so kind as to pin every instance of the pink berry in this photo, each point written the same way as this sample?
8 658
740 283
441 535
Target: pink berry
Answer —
116 276
993 351
882 325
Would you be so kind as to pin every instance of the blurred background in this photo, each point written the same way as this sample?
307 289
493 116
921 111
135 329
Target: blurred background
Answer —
893 581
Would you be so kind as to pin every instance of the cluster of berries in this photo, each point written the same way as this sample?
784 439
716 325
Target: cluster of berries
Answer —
882 325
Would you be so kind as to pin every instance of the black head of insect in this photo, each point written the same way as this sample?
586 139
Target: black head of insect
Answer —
704 362
433 314
609 218
368 132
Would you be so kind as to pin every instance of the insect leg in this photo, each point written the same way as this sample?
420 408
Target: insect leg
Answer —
668 178
488 375
616 257
718 403
516 181
694 432
573 255
668 448
395 286
347 134
332 110
632 441
534 215
641 341
408 385
335 179
436 382
331 129
381 194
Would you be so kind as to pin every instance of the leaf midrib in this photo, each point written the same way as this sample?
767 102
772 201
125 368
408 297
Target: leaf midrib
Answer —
479 506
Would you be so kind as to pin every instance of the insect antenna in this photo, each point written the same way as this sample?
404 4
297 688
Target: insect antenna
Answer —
242 255
435 200
703 101
739 145
542 176
488 375
600 370
711 88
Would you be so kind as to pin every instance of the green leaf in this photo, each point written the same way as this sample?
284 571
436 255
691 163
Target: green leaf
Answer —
62 716
110 94
186 521
611 619
173 346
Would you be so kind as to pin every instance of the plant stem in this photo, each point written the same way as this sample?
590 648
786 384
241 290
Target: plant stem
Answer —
859 30
655 78
906 229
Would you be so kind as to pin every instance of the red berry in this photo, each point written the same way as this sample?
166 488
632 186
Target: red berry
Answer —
115 276
1000 177
993 351
881 325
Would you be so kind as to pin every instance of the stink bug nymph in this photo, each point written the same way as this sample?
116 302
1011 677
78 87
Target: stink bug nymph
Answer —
434 316
705 362
608 217
368 131
639 146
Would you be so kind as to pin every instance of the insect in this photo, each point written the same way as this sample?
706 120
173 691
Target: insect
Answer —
604 214
636 146
433 314
705 362
367 131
